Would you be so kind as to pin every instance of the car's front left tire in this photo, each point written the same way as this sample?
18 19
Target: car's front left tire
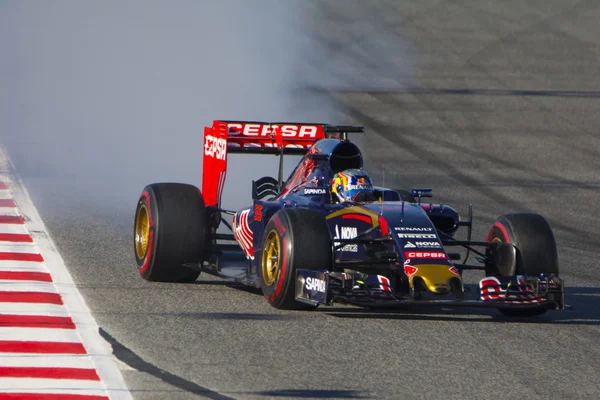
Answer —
535 245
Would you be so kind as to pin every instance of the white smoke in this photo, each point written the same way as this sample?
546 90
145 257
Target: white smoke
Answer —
105 97
113 95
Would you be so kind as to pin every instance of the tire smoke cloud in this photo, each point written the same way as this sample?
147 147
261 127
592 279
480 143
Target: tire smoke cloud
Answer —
113 95
102 98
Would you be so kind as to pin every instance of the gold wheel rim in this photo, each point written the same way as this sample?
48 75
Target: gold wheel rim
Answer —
142 231
271 258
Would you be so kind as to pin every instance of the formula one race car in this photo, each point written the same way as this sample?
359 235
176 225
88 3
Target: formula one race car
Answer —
326 234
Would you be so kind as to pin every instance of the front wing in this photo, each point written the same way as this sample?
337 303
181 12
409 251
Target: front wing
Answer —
520 292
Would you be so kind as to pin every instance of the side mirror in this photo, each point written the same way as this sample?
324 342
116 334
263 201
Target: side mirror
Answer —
421 193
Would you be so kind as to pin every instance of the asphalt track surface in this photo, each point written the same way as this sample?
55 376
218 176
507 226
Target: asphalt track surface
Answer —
500 107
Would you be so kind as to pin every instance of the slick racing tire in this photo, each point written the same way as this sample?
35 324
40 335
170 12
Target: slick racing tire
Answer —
294 238
170 230
535 246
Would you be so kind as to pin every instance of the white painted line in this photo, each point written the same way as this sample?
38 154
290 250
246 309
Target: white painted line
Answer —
13 228
51 310
27 286
63 386
39 335
22 266
99 351
46 360
9 211
11 247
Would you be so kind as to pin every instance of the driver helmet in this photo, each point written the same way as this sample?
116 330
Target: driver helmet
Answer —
352 185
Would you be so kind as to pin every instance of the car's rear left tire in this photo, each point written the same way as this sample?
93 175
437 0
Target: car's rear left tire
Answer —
294 238
170 230
536 251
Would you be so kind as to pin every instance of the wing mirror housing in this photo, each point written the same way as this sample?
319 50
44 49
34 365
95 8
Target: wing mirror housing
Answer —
421 192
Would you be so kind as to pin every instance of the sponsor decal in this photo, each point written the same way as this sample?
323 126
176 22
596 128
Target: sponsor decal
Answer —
454 271
413 229
215 147
313 191
361 180
421 245
409 270
359 187
315 284
346 232
425 254
428 244
260 130
417 235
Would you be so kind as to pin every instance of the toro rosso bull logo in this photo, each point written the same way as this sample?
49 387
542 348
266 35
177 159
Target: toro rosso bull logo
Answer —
215 147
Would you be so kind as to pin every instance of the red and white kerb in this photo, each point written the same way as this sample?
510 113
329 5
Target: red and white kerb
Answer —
42 355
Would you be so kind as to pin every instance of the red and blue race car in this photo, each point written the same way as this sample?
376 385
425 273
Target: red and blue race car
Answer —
326 234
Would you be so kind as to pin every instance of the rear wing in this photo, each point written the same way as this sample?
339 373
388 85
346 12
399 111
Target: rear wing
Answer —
251 137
